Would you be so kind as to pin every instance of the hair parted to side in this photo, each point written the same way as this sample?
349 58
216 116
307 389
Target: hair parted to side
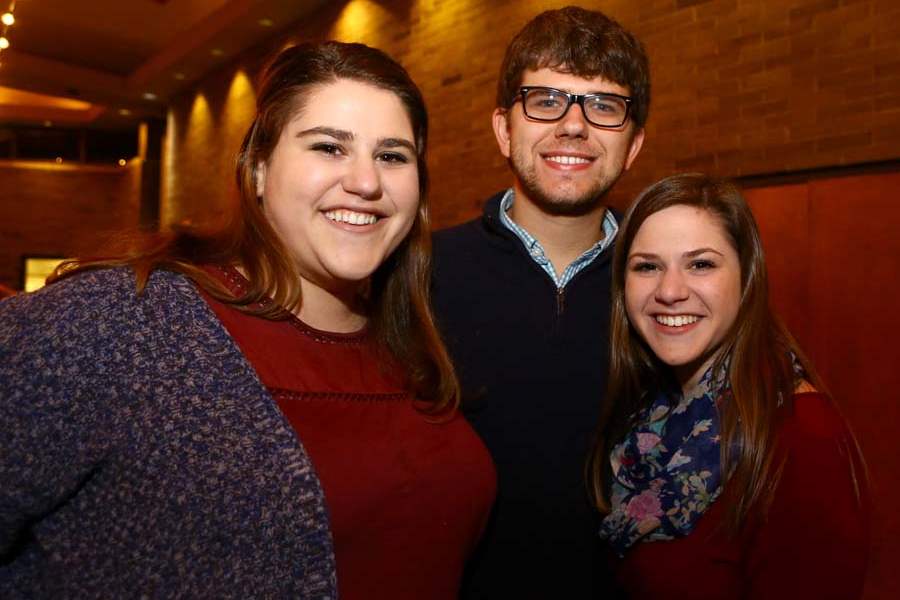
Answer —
760 370
582 42
400 318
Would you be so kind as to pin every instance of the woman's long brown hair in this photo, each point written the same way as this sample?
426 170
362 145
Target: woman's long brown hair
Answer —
400 317
759 350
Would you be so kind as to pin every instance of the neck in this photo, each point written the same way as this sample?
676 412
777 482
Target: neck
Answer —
563 237
689 375
338 311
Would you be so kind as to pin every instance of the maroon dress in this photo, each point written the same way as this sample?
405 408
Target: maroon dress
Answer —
814 542
408 496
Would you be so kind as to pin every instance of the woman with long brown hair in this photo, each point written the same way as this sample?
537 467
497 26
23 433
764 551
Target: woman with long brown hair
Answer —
264 409
722 467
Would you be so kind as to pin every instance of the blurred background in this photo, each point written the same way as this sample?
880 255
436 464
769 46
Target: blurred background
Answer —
128 113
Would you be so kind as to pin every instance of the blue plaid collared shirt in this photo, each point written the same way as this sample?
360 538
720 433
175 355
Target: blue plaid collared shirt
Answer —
536 251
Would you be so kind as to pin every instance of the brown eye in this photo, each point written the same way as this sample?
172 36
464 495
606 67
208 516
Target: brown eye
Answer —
702 265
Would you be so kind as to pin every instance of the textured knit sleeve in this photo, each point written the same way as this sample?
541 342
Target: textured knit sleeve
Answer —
50 426
815 542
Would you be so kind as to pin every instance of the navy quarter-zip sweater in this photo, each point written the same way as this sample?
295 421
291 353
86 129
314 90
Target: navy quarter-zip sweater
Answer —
533 362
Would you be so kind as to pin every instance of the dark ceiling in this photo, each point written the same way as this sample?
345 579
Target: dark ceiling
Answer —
96 63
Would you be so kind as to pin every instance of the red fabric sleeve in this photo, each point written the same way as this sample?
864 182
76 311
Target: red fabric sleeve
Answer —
815 541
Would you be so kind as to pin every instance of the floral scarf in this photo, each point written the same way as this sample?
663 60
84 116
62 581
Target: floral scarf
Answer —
667 471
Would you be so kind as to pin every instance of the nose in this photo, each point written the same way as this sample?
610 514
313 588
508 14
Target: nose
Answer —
573 123
362 178
672 287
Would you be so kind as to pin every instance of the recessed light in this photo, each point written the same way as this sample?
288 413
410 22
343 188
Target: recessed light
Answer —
266 22
59 160
122 162
149 96
178 76
124 112
216 52
4 43
8 19
48 123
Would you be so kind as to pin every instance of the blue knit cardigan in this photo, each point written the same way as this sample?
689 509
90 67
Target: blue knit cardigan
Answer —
140 456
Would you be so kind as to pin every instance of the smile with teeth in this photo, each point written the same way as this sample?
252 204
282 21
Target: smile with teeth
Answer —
568 160
676 320
350 216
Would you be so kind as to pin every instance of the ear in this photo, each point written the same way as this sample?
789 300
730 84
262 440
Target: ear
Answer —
636 142
260 177
500 121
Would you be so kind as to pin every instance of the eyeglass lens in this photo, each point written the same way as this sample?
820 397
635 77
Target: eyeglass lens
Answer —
600 109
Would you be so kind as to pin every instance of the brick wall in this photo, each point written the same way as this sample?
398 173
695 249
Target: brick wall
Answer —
61 210
740 87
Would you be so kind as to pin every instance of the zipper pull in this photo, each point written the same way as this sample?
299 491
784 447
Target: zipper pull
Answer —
560 301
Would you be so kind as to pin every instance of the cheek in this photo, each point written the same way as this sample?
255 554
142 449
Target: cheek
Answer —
634 298
404 190
725 294
733 299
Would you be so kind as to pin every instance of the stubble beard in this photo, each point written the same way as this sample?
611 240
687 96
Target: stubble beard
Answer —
558 202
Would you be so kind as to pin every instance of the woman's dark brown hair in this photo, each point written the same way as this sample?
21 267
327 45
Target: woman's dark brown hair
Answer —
399 315
759 350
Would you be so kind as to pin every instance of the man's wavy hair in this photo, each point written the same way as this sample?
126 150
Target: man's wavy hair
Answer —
582 42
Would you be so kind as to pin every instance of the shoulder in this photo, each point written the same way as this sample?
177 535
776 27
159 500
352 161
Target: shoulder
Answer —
449 237
821 453
473 240
93 307
472 230
814 414
96 291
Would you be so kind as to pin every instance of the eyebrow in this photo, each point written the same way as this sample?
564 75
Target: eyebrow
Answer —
700 251
338 134
689 254
347 136
397 143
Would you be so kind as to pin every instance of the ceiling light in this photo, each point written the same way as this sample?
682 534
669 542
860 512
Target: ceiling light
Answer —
124 112
8 19
149 96
59 160
217 52
48 123
178 76
266 22
122 162
4 43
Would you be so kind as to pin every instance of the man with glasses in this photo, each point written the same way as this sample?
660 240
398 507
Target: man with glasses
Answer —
522 297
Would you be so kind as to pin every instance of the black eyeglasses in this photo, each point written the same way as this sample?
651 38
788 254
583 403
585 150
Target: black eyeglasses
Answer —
550 104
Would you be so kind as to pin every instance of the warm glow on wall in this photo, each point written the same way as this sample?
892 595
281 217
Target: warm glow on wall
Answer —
167 211
240 105
356 22
240 94
201 117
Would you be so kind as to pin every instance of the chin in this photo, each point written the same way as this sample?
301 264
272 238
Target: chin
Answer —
353 273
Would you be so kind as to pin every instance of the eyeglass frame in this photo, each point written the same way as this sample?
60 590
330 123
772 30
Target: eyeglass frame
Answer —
575 99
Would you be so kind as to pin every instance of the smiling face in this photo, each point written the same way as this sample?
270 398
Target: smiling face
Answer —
565 166
341 187
683 288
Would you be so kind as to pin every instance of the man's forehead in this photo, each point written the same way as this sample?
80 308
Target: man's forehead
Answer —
570 82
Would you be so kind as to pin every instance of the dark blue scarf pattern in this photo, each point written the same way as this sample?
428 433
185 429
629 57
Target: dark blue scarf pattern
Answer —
666 472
